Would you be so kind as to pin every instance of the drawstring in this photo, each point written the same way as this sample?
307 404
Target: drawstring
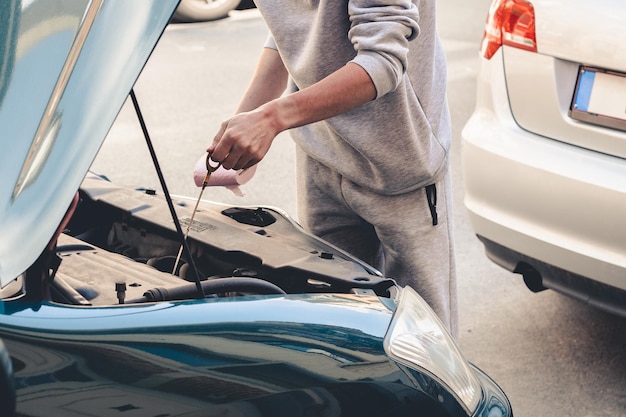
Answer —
431 196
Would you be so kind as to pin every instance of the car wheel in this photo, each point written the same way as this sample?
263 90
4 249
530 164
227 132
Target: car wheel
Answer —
203 10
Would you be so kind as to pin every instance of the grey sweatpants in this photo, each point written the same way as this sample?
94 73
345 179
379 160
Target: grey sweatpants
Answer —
394 234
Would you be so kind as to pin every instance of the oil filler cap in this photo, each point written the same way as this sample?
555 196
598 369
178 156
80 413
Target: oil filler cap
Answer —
253 217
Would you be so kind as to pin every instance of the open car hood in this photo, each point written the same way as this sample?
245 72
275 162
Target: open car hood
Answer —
66 68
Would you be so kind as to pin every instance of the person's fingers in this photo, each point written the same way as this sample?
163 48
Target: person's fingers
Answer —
230 162
244 163
222 146
218 137
240 143
241 157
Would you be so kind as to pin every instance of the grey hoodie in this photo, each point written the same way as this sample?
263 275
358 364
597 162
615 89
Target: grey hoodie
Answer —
398 142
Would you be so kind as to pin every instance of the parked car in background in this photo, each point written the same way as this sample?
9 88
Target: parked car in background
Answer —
205 10
108 308
544 153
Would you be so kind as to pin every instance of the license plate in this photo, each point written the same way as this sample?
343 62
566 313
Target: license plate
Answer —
600 98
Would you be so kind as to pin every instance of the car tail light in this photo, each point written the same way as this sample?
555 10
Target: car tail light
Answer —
512 23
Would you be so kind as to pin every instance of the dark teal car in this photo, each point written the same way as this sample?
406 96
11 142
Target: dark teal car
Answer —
107 308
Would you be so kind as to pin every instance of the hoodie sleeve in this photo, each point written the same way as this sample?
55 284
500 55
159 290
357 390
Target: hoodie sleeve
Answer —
380 32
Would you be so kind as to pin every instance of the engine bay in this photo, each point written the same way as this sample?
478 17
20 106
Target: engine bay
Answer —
120 246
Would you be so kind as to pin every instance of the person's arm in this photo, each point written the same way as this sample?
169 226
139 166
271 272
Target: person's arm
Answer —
342 91
268 82
246 138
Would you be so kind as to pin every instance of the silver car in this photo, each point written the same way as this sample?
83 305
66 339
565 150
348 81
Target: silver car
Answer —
544 152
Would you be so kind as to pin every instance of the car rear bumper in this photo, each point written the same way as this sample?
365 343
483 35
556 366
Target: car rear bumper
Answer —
591 292
558 204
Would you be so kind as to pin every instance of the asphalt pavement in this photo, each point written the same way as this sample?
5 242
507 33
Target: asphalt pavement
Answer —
552 355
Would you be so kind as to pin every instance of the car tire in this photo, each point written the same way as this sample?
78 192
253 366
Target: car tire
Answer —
203 10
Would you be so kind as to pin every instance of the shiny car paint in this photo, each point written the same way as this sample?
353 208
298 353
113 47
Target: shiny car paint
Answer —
280 355
55 50
546 192
198 353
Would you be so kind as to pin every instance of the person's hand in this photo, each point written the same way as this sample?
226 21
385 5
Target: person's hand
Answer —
243 140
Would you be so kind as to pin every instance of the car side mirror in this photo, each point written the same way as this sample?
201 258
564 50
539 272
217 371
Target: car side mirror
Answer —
7 385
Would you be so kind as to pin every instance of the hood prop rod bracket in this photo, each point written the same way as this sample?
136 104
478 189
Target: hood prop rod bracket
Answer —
168 197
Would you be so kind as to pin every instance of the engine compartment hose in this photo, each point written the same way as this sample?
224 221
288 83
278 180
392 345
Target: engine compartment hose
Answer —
213 286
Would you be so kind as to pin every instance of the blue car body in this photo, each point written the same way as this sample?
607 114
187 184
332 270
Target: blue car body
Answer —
264 356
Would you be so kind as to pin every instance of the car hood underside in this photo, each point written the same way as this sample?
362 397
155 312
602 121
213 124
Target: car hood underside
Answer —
66 68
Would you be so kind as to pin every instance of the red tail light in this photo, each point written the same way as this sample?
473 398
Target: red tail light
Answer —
510 22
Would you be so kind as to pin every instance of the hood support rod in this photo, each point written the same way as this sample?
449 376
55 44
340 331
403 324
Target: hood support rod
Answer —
179 229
